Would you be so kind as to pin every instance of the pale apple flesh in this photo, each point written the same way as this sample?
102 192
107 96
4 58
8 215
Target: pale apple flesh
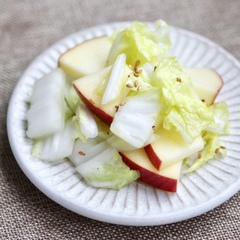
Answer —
86 58
171 148
206 82
87 87
164 179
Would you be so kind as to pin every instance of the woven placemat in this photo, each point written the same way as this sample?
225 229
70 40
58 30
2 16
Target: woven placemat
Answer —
29 27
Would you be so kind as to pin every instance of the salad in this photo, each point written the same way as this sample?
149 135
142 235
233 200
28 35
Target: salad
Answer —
122 109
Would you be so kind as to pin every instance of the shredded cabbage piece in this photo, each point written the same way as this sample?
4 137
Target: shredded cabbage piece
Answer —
116 80
87 122
84 151
221 116
56 146
139 42
107 170
136 118
211 150
181 107
46 114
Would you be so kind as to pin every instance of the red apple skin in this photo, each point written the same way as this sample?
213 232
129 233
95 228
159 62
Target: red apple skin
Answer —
156 162
106 118
151 178
220 88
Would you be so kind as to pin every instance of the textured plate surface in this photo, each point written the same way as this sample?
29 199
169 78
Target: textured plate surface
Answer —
136 204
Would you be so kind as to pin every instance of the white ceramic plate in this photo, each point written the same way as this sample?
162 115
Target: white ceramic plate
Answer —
136 204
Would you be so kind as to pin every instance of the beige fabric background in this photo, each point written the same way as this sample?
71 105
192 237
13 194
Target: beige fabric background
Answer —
29 27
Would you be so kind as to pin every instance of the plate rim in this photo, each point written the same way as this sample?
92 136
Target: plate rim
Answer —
173 217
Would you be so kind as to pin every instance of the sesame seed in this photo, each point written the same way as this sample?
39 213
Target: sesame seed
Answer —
139 87
129 85
136 74
122 103
179 80
82 153
199 155
222 147
217 150
117 107
136 83
137 63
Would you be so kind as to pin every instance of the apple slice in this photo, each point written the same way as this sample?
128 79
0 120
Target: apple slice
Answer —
165 179
87 87
170 148
206 82
86 58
